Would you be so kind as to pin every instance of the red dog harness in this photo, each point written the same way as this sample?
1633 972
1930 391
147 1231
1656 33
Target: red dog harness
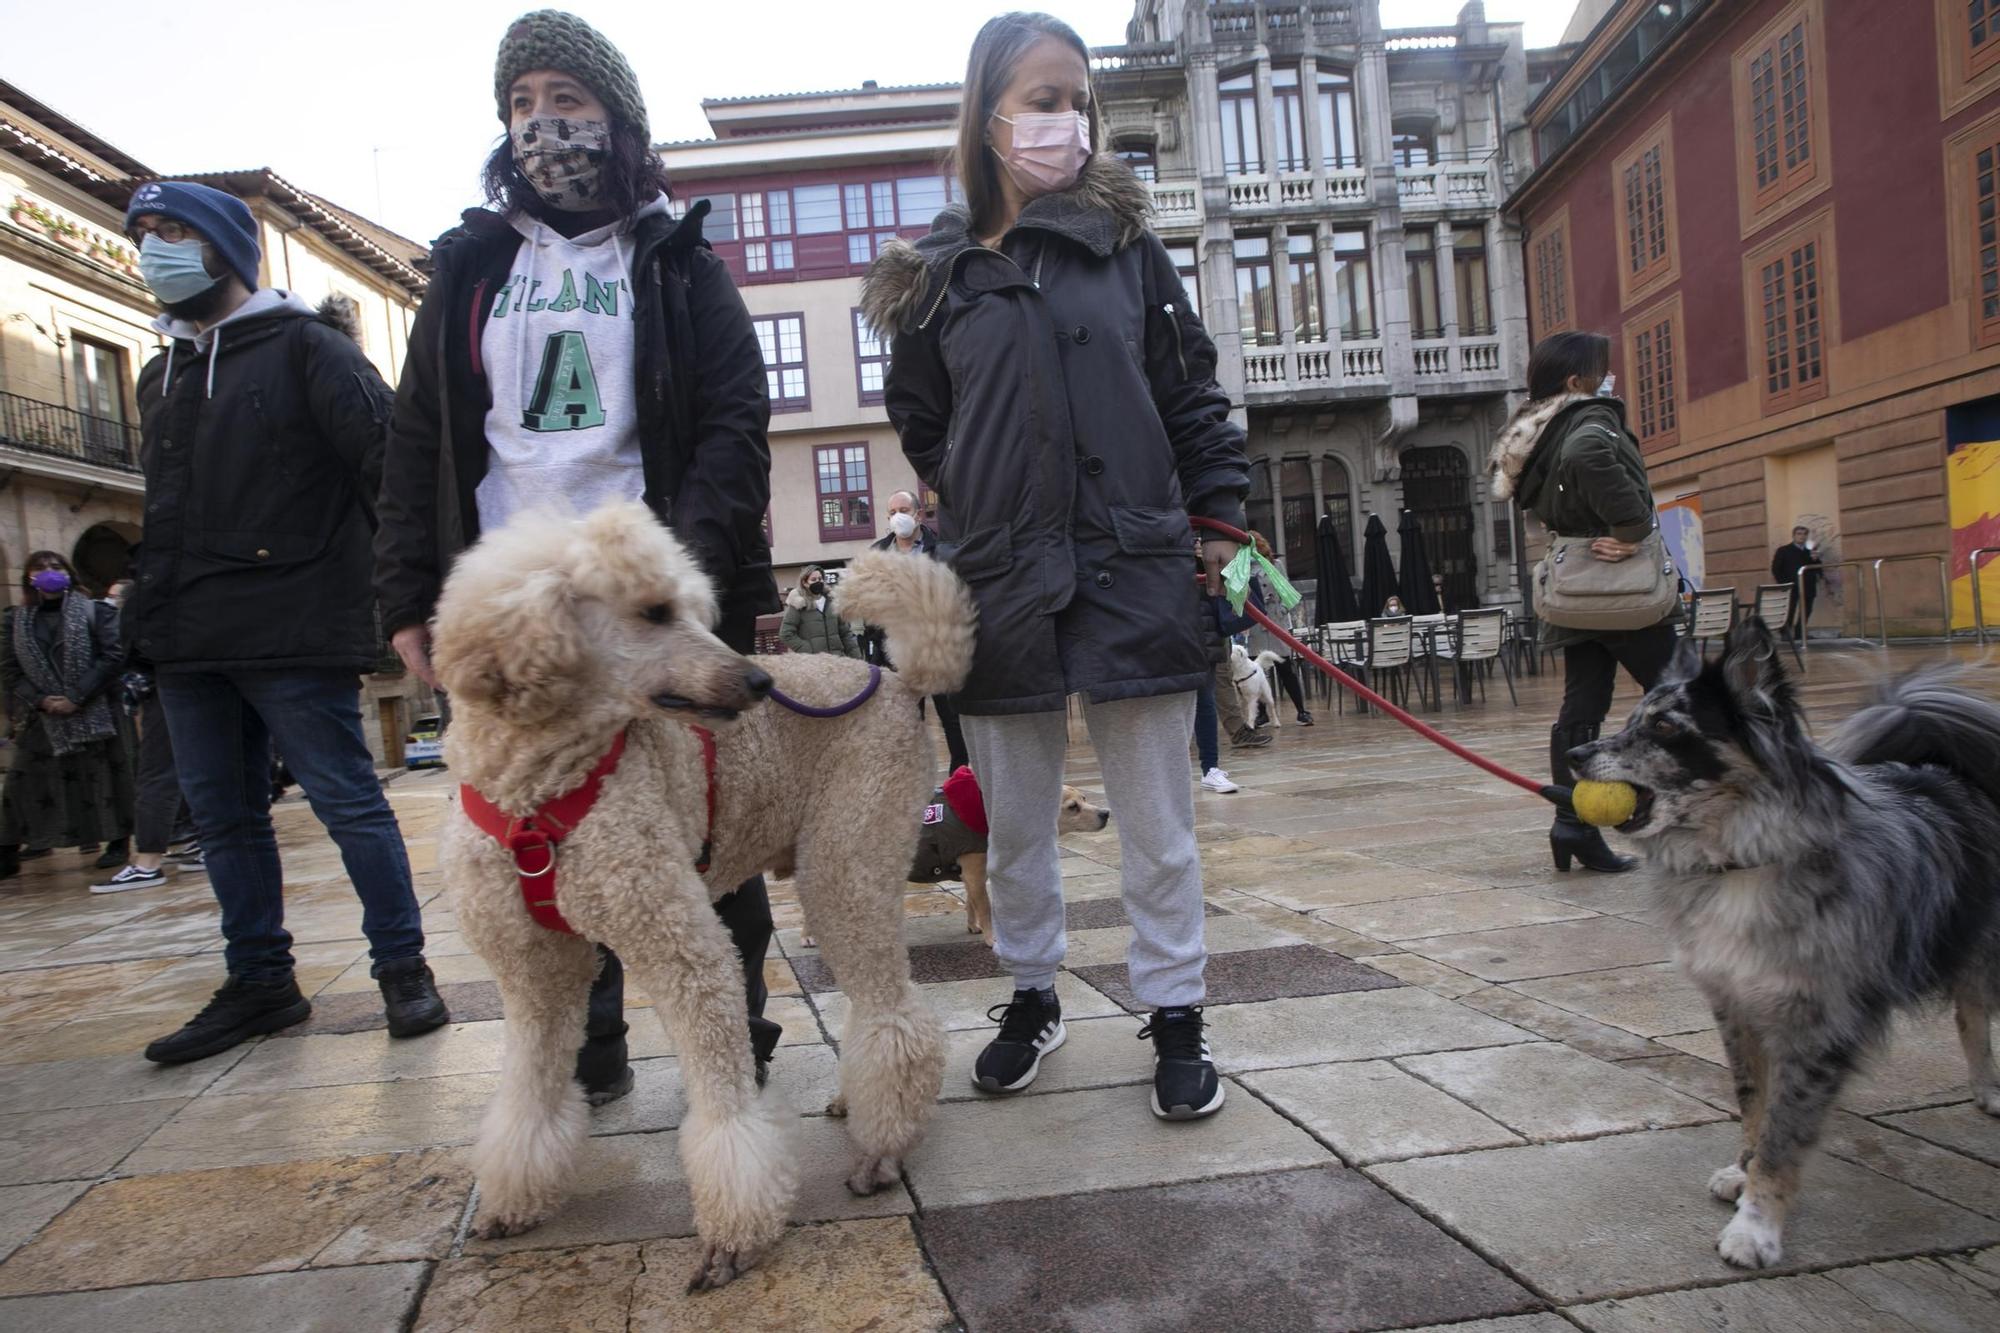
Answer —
533 838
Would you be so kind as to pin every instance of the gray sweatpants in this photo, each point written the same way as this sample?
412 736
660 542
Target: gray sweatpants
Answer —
1142 747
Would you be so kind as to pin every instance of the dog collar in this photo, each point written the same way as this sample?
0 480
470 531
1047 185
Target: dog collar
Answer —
533 838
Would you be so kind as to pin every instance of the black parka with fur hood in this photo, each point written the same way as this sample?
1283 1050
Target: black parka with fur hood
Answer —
1059 395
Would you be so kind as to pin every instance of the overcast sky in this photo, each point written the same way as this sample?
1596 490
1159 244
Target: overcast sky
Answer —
386 108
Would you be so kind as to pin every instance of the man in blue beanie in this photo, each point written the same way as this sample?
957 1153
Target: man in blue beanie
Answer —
262 426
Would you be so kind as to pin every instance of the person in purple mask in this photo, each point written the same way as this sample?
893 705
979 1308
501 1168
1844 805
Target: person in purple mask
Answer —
71 781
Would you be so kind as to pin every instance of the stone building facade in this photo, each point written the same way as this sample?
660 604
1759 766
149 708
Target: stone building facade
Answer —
1782 212
1331 189
76 328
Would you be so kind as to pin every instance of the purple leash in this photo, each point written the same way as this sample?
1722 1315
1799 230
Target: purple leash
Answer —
838 710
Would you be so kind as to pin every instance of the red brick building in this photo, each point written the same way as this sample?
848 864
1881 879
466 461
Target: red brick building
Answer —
1782 212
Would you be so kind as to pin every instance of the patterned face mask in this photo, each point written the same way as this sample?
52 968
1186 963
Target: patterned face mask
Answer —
562 158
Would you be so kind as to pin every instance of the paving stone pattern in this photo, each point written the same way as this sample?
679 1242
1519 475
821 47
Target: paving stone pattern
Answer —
1464 1092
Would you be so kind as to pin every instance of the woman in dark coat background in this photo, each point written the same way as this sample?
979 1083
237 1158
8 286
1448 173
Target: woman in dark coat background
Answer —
1049 380
71 781
1567 457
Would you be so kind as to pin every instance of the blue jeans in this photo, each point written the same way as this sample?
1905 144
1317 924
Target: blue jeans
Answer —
223 724
1206 743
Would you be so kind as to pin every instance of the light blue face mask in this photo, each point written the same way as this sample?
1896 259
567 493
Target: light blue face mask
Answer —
173 269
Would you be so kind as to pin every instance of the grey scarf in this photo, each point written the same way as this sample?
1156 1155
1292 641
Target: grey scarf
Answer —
92 721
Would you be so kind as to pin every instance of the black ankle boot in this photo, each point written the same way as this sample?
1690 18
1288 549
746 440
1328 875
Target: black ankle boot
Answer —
1570 839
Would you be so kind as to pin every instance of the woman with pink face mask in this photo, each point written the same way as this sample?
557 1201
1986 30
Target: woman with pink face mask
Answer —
1051 384
70 784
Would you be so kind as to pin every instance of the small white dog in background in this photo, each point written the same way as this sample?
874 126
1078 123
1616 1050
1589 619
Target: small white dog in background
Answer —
1253 683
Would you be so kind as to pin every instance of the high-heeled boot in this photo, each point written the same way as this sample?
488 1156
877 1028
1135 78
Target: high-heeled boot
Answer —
1569 837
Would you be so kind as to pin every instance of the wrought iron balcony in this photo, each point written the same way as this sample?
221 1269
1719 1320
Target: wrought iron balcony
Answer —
63 432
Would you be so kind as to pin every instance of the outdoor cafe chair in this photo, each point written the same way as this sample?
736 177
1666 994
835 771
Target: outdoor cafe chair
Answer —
1390 657
1477 639
1345 642
1711 613
1774 607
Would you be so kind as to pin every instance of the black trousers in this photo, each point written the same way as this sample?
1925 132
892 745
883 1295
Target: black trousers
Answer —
157 809
747 914
1590 670
954 735
1288 679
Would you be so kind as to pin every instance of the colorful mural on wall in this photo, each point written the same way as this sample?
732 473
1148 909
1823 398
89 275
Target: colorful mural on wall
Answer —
1972 488
1680 529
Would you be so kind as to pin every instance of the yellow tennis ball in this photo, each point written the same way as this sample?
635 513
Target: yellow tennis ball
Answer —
1604 803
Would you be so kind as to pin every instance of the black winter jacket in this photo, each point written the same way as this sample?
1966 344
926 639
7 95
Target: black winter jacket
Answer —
1060 397
703 411
261 462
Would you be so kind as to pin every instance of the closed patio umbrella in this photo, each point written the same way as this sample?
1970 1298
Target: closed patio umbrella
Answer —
1378 571
1335 599
1414 577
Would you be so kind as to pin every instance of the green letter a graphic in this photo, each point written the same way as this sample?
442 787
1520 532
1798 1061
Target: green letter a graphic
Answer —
566 393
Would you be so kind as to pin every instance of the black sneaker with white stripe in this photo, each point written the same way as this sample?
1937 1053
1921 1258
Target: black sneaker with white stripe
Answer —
1185 1086
131 877
1030 1028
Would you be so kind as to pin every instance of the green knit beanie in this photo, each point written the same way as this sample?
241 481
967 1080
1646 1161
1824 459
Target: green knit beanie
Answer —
551 39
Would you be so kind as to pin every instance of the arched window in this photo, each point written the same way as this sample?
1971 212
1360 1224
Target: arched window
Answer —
1301 514
1413 141
1339 143
1437 487
1337 500
1138 154
1258 510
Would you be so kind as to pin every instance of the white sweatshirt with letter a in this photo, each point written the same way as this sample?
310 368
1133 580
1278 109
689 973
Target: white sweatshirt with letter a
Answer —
558 349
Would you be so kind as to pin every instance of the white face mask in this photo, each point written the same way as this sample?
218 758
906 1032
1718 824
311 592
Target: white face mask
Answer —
903 525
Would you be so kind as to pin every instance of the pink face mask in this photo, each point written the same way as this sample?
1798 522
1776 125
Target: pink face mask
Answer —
1049 149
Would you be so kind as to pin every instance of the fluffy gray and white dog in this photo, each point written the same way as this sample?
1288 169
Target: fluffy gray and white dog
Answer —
1814 891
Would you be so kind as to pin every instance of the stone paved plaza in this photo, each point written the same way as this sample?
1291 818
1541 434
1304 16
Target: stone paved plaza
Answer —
1463 1089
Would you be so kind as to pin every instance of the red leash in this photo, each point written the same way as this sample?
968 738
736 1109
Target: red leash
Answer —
1553 794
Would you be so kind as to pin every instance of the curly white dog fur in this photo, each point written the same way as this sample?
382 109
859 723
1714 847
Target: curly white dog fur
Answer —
551 636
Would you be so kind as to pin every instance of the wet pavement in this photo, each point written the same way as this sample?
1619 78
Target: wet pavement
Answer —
1464 1089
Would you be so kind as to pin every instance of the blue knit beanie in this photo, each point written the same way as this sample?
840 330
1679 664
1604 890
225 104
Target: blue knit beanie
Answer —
223 220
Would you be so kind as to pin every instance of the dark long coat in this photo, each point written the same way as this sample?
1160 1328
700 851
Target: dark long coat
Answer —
1059 395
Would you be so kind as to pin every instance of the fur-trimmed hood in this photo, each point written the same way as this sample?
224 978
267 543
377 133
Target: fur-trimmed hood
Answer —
1106 210
342 313
1518 438
796 600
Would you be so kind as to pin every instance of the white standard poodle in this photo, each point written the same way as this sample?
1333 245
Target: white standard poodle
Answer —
556 635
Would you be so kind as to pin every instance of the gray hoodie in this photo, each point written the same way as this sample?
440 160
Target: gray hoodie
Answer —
262 302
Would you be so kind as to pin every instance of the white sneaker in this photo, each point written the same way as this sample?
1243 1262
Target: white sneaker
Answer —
1217 780
131 877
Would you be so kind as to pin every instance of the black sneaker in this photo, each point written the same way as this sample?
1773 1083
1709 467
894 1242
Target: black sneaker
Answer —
1248 738
1030 1027
131 877
1185 1086
239 1011
115 854
410 997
